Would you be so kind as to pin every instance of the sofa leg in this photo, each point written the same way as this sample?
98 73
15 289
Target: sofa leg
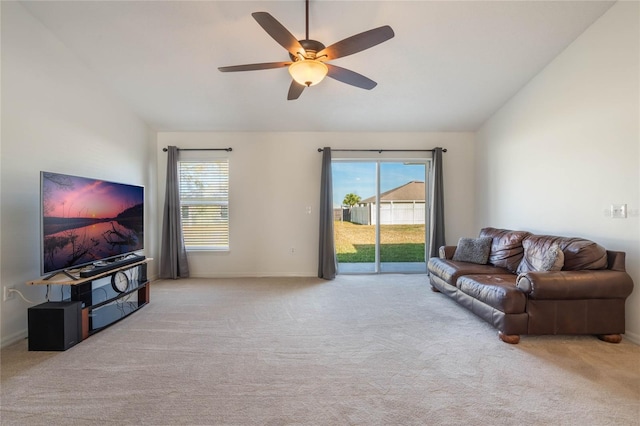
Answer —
610 338
435 290
509 338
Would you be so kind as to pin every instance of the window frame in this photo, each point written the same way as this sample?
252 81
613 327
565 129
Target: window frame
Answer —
222 201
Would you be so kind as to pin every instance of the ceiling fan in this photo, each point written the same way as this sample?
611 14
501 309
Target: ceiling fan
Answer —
308 64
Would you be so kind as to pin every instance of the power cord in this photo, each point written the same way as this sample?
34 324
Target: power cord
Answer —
13 290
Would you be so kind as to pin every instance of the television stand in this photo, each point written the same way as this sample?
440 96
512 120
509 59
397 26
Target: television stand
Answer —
103 305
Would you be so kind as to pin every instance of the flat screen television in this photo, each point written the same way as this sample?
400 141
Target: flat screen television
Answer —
85 221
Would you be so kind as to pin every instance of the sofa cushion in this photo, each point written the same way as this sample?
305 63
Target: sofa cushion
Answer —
579 254
474 250
497 291
449 270
506 247
583 254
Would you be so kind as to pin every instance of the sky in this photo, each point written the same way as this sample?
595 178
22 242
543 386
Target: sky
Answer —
71 196
359 177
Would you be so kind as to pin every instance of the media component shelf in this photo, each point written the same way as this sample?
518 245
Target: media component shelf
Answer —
105 304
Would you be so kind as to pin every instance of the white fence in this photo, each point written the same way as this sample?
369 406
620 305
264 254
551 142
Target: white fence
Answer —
390 214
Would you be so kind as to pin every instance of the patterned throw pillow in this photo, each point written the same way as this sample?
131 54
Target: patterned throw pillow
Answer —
473 250
553 259
539 259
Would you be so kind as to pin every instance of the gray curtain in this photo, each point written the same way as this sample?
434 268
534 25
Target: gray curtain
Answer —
327 264
173 255
437 205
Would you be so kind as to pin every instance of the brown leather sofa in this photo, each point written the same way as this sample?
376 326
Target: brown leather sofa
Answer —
585 294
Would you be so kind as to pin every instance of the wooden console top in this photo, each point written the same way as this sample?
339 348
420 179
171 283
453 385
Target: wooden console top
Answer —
62 278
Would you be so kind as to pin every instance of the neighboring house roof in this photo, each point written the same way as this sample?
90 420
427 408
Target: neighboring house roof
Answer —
410 191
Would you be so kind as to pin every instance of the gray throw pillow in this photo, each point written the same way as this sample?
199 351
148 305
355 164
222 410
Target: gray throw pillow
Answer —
473 250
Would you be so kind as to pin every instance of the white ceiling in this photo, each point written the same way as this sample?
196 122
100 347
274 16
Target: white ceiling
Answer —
450 66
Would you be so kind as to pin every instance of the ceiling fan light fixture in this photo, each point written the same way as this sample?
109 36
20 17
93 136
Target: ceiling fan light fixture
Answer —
308 72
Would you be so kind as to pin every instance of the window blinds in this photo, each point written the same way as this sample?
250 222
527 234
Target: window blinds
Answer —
204 204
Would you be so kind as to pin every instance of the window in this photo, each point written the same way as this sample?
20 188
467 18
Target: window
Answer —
204 203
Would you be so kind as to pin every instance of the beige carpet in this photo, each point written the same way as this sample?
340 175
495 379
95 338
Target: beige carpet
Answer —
360 350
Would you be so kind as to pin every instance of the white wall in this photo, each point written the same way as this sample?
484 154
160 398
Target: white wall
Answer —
274 177
566 147
55 117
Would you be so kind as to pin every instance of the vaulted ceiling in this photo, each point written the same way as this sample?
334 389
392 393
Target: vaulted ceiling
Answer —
450 66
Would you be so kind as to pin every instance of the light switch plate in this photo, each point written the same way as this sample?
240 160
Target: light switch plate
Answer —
618 211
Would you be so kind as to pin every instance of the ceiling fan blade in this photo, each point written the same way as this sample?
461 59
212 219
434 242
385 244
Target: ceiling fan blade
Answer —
357 43
254 67
295 90
350 77
279 33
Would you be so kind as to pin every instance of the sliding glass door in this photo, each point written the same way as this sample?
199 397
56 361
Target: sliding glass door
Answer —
402 213
354 185
380 213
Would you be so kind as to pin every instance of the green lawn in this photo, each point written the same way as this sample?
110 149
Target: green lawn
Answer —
398 243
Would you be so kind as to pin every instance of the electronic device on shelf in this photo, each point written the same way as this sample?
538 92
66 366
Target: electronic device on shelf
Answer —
87 221
107 266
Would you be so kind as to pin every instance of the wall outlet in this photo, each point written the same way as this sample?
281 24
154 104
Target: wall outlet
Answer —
292 251
7 293
618 211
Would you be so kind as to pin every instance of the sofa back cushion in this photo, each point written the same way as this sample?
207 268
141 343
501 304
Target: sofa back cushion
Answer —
506 248
578 253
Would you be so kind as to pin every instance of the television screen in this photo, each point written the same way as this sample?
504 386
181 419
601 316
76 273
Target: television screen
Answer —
88 220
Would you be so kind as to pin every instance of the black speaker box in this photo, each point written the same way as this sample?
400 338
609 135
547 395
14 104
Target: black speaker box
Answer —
143 272
55 326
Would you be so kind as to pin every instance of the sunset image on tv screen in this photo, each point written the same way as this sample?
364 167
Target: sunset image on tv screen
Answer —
86 220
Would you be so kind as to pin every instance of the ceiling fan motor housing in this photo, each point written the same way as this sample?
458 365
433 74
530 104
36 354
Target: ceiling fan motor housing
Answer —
311 47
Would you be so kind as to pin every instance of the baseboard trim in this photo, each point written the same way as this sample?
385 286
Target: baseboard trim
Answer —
633 337
266 275
13 338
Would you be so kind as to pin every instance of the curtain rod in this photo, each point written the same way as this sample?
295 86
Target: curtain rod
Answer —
382 150
201 149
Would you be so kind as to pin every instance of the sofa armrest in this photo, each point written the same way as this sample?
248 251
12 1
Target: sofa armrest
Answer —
616 260
587 284
446 252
